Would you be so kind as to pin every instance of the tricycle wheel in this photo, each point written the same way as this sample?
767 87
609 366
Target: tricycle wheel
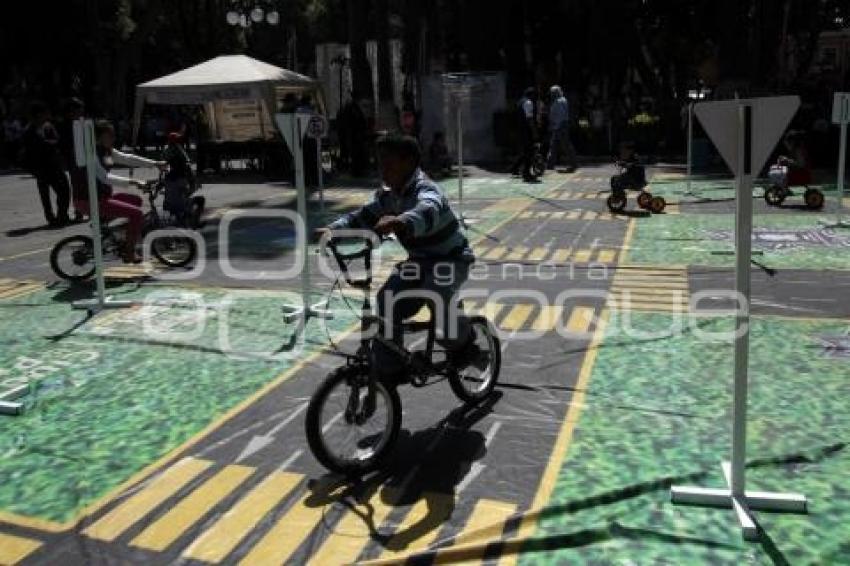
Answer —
813 199
617 202
644 200
774 195
657 205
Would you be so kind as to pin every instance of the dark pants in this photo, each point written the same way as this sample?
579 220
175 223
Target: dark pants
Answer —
412 285
54 179
560 146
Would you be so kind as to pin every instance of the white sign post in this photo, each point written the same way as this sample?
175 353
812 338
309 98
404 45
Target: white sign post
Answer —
745 132
459 128
841 116
294 127
85 156
689 192
317 128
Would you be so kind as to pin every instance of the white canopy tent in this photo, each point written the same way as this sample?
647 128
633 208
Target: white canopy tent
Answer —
236 89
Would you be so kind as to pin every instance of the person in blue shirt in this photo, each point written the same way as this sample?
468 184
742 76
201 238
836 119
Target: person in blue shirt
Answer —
414 208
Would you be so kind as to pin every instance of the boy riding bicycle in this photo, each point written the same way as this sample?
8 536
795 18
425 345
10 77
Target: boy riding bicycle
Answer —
413 207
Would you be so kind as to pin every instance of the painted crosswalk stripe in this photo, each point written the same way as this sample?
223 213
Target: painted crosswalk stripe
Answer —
496 253
543 214
491 311
561 255
19 289
582 256
548 318
516 317
487 522
606 256
13 549
168 528
287 534
220 540
111 525
580 319
590 215
559 215
538 254
517 253
574 214
351 535
526 214
435 508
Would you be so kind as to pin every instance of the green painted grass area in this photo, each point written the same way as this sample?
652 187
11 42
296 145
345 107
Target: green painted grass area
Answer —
675 190
687 239
657 412
114 394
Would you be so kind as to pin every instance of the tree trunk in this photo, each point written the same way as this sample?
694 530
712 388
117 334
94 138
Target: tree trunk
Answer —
361 72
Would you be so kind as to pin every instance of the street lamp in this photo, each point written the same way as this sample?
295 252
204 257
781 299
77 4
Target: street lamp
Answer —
244 13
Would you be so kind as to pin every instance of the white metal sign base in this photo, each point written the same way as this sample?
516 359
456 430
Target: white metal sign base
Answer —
741 504
95 305
85 156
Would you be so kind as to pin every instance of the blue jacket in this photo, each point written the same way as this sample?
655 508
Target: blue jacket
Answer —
433 230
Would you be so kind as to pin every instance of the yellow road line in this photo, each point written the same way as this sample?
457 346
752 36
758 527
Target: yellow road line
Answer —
627 240
284 538
548 318
13 549
24 254
111 525
420 527
561 255
580 319
168 528
516 317
538 254
582 256
353 533
220 540
606 256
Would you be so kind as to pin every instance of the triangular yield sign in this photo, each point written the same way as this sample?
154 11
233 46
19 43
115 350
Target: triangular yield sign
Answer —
285 123
770 117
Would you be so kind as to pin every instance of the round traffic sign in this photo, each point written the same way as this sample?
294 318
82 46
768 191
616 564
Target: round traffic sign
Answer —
317 127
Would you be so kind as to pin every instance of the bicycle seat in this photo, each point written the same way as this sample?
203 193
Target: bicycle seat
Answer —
114 223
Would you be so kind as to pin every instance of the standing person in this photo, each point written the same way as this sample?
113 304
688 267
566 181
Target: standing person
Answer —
356 130
43 160
560 144
118 205
74 110
527 113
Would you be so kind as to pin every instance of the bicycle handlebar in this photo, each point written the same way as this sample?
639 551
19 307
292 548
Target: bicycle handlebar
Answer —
343 259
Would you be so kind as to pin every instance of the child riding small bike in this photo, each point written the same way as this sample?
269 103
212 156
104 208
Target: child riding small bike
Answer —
792 170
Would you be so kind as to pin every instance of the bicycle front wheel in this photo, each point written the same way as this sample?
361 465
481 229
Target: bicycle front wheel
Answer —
174 251
72 258
344 436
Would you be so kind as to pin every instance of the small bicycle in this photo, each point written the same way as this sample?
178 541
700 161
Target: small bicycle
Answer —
72 258
354 417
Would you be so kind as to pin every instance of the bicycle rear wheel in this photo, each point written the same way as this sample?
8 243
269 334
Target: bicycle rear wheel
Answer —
477 380
343 437
174 251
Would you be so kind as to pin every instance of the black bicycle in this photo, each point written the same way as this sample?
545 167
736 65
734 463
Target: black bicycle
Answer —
72 258
354 417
